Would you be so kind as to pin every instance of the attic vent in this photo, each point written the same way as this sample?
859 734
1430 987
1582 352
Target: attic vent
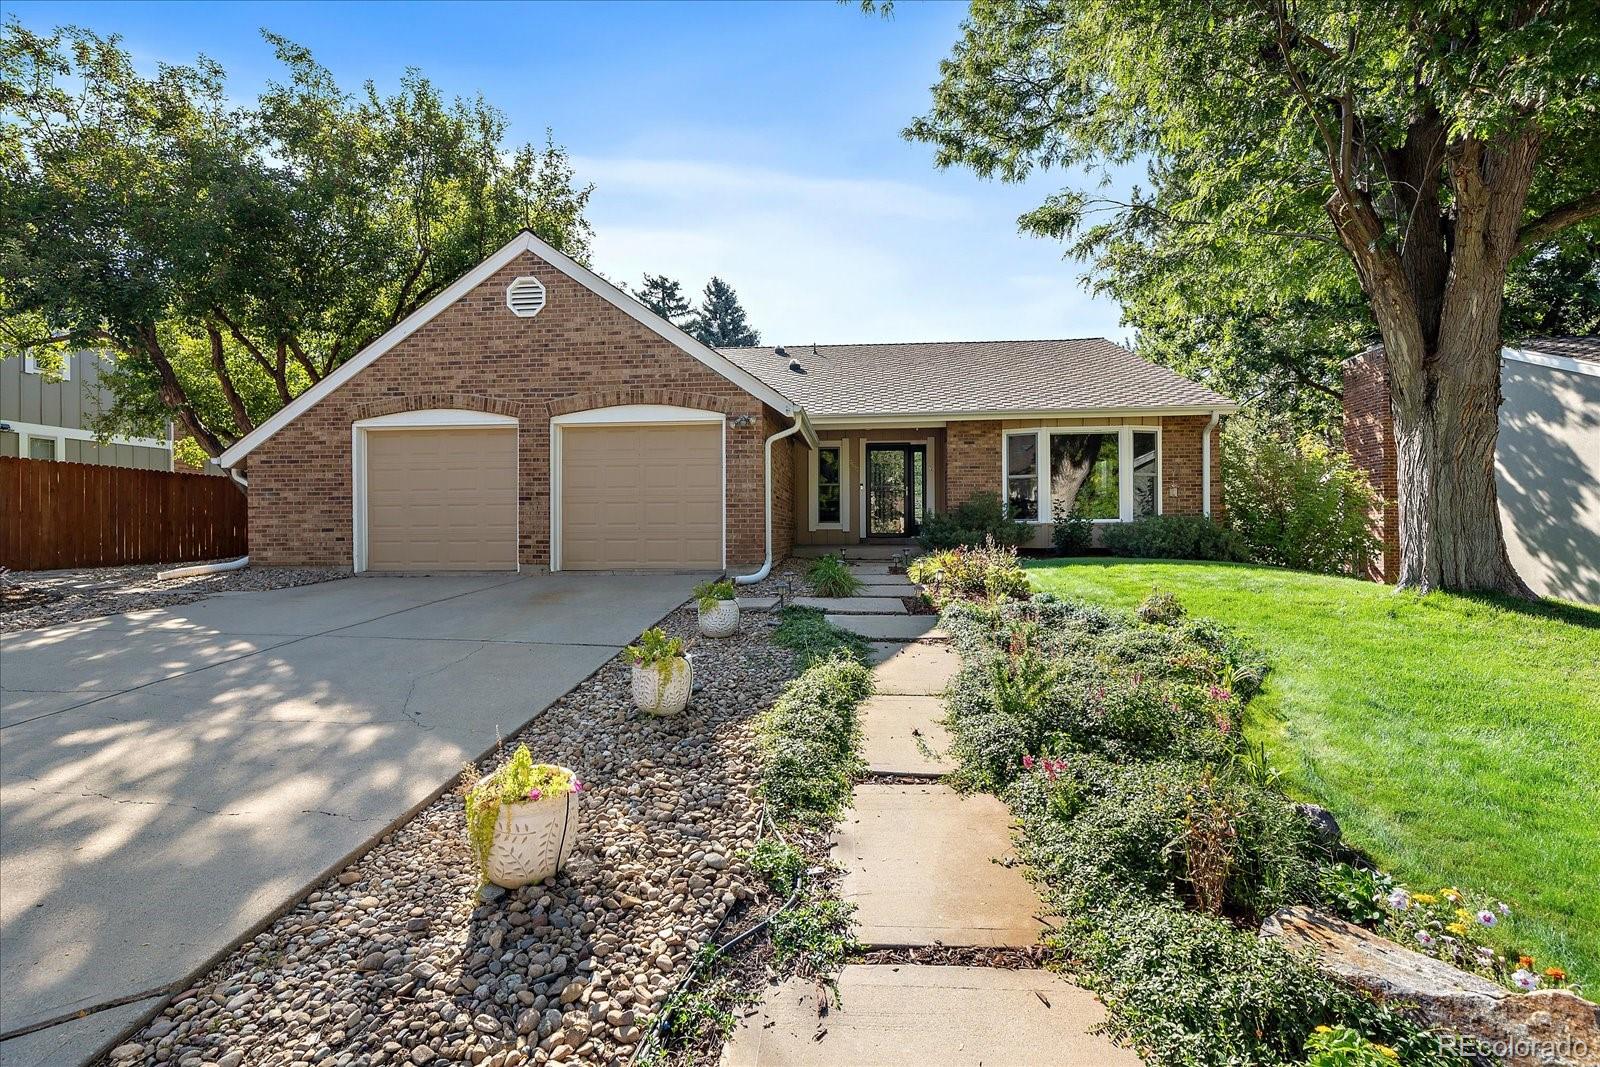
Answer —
525 297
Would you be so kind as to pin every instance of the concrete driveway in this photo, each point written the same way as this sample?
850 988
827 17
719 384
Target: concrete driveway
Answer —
170 779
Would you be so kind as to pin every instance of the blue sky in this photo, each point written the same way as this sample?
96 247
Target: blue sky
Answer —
760 142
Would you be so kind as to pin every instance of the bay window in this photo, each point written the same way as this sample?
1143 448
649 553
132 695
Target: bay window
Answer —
1104 474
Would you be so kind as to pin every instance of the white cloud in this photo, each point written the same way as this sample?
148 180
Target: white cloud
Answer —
829 259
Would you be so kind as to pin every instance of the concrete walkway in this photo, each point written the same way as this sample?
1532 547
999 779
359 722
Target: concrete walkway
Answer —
171 778
925 866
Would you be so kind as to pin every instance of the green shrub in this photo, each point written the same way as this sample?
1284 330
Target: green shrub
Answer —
1160 608
990 572
809 738
832 576
1072 534
1174 537
709 594
1297 502
1340 1046
807 633
982 518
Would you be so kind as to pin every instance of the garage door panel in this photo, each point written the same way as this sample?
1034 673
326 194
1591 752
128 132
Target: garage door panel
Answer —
442 499
641 496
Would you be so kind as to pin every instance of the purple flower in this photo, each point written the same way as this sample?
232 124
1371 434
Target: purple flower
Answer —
1424 939
1399 900
1525 980
534 794
1486 917
577 786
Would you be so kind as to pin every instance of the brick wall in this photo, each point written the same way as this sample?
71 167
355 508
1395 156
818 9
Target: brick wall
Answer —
785 454
579 352
1369 438
1182 438
972 461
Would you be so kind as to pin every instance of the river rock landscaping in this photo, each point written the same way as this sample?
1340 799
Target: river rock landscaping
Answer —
403 957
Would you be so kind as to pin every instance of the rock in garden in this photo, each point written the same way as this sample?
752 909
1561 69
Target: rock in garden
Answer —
1322 823
1515 1027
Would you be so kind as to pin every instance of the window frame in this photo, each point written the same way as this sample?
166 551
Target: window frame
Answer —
31 366
1041 436
842 447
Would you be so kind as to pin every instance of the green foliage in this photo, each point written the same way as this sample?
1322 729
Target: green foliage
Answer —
988 573
656 649
519 779
1297 502
807 633
778 864
699 1012
1159 608
1174 537
815 932
665 297
980 519
1072 534
709 594
809 739
163 218
831 576
1340 1046
720 320
1354 893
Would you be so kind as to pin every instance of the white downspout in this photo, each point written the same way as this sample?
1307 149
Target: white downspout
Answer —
766 566
213 568
1205 464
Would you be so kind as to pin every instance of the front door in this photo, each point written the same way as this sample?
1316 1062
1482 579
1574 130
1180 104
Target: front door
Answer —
896 489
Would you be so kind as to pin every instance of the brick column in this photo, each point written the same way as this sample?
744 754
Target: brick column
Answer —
1369 438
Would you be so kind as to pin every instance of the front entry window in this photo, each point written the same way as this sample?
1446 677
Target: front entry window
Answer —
1085 474
1146 466
896 489
829 485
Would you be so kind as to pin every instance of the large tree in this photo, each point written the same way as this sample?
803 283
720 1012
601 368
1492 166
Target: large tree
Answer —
231 254
665 297
720 321
1431 143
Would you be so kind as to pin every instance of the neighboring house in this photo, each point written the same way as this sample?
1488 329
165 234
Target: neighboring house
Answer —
45 417
1547 459
533 414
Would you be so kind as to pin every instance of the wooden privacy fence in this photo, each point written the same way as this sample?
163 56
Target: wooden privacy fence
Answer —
81 515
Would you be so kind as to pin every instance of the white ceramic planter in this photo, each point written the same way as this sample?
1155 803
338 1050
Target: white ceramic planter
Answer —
720 621
658 692
532 840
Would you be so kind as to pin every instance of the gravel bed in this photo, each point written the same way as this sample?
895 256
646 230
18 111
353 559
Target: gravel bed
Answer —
35 599
792 570
401 958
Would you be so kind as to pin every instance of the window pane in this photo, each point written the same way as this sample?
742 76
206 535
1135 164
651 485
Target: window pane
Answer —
1084 472
41 448
828 488
1146 488
1022 454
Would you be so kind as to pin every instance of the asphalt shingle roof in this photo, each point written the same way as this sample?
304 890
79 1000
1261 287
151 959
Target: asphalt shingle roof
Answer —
970 377
1587 348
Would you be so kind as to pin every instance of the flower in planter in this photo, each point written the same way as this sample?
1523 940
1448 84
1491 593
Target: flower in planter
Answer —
1525 980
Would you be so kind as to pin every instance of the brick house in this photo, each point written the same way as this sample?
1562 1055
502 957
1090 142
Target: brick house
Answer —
533 414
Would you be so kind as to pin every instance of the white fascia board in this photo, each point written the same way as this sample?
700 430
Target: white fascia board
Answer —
523 242
1544 359
889 420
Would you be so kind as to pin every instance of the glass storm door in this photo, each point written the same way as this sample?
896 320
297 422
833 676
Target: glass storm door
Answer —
896 489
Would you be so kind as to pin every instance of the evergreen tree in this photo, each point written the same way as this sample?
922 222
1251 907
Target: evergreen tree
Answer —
665 297
721 322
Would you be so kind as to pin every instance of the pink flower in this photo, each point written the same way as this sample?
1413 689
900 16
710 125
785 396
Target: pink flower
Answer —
577 786
1486 917
1027 762
534 794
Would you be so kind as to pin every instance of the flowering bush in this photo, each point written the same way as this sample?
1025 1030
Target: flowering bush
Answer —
1340 1046
990 573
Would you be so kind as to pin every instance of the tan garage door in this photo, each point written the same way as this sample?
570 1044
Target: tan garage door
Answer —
641 497
442 500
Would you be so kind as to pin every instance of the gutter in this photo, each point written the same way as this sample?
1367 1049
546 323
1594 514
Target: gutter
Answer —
802 426
1205 463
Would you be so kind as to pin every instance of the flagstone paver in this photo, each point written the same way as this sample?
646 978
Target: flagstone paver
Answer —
886 585
913 668
918 863
944 1016
861 570
890 627
757 603
853 605
903 735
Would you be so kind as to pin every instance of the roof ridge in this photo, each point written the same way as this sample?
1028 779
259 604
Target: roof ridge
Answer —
888 344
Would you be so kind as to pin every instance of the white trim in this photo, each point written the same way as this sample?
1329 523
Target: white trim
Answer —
629 415
75 433
30 365
425 418
843 448
1544 359
522 243
1124 432
901 420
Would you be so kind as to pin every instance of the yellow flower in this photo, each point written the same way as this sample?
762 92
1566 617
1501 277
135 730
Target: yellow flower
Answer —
1451 893
1387 1051
1458 929
1324 1029
1463 913
1425 898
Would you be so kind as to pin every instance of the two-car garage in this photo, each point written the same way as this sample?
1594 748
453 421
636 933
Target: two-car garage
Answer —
637 487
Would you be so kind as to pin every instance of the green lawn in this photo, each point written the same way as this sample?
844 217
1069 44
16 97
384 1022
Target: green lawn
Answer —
1456 739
